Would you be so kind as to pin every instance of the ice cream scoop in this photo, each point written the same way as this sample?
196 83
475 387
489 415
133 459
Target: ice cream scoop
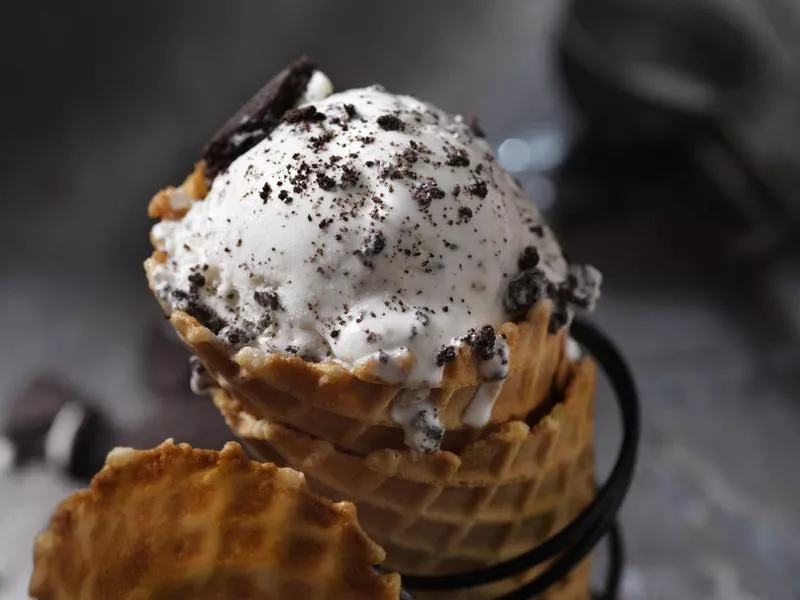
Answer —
368 228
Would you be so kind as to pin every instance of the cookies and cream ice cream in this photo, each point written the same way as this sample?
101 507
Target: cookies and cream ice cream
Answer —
366 228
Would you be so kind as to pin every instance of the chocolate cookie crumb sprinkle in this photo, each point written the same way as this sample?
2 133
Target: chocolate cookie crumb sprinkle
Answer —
349 176
427 192
373 244
478 188
482 341
197 279
445 355
319 142
391 123
525 289
307 113
529 259
235 337
268 298
325 182
457 158
464 215
264 192
192 306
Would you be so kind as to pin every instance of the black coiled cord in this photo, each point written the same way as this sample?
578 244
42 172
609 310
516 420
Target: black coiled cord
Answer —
570 545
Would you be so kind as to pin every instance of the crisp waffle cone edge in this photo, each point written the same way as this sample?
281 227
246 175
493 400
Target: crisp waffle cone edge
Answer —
328 401
179 523
443 512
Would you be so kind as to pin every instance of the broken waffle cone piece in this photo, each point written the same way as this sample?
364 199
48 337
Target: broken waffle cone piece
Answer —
176 522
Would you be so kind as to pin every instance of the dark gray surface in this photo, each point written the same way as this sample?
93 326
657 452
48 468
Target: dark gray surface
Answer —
713 513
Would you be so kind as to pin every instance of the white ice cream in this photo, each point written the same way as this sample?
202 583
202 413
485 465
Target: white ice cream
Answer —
376 224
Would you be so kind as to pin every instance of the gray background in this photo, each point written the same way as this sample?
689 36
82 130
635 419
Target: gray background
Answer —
106 103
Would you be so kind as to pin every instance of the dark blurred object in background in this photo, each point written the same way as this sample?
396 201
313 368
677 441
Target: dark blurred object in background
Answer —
665 84
53 423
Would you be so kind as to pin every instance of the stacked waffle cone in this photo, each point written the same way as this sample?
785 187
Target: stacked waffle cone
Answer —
487 495
332 403
448 512
179 523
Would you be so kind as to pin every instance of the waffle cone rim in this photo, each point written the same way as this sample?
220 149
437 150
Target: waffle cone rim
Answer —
407 463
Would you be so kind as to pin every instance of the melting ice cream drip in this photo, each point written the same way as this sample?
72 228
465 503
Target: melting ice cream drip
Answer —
494 370
419 418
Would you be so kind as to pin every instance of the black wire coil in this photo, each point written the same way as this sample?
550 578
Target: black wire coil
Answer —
571 545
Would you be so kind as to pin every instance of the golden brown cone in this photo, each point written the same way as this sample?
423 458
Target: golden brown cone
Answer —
449 512
328 401
179 523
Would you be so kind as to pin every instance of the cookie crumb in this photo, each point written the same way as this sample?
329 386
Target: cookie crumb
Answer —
427 192
478 188
373 244
529 259
482 341
457 158
445 355
464 215
391 123
264 193
268 298
325 182
306 113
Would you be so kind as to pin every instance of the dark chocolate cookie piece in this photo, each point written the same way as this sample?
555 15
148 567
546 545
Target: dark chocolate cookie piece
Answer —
525 290
445 355
482 341
190 303
258 117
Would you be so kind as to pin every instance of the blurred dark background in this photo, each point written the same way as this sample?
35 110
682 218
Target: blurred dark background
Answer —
661 137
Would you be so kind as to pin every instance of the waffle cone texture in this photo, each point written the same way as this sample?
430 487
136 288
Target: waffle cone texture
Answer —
444 512
350 407
179 523
332 403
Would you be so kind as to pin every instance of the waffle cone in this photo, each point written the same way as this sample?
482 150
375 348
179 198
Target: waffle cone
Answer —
497 497
175 522
332 403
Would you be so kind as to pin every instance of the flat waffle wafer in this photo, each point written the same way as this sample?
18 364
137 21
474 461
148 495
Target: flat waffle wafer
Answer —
175 522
